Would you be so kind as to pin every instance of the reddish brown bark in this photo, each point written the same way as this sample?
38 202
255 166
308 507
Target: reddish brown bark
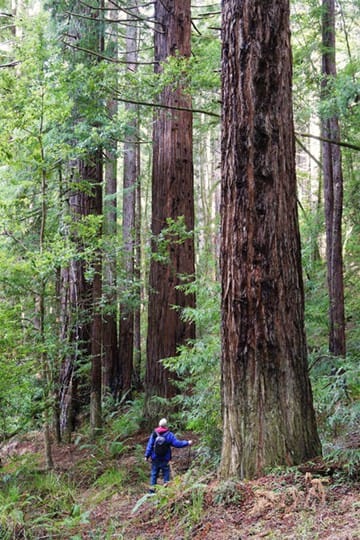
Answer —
75 299
93 175
172 196
268 416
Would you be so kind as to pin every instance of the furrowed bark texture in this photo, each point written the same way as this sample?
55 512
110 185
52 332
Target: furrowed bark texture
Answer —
75 297
268 416
172 196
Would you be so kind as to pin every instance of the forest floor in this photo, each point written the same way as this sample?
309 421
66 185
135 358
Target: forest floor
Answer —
110 495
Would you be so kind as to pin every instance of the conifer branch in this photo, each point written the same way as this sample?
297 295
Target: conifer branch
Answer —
101 56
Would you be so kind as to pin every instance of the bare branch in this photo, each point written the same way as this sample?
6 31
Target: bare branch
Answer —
93 19
195 27
303 147
331 141
161 106
10 64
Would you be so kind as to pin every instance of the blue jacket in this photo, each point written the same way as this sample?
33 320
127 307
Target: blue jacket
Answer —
171 439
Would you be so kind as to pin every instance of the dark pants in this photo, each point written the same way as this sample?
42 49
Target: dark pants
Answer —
156 467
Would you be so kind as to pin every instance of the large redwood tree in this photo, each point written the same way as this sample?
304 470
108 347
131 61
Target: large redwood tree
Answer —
268 416
172 197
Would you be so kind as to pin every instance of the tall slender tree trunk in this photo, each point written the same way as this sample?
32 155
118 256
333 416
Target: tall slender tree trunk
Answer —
137 276
95 171
333 191
268 416
93 174
111 368
110 340
172 197
131 149
46 373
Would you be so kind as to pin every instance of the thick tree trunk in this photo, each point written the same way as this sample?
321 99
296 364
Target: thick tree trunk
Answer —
172 197
75 331
79 301
268 416
333 191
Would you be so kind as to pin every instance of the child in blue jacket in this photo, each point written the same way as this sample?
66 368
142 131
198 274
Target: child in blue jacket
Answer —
161 463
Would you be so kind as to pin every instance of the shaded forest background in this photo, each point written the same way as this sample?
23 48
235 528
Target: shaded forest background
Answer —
78 94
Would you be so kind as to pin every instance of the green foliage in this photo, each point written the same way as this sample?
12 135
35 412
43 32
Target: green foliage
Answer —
228 492
39 137
316 307
198 366
193 507
306 40
342 92
126 420
348 459
117 448
112 478
28 113
32 500
180 501
175 232
337 396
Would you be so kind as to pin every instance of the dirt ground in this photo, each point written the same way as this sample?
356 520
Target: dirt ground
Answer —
302 504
